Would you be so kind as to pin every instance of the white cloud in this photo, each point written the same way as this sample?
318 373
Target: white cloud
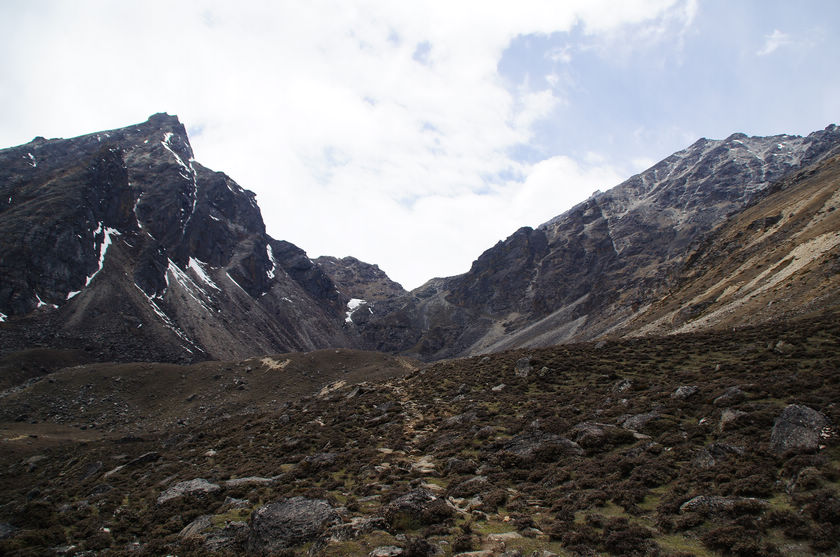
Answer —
773 42
377 129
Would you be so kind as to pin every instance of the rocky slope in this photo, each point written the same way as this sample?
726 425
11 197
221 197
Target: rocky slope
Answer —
715 443
780 256
589 271
121 243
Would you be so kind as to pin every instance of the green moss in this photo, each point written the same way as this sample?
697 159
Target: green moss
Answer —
678 543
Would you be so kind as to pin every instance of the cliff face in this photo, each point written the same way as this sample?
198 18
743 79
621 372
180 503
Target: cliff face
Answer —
120 241
586 272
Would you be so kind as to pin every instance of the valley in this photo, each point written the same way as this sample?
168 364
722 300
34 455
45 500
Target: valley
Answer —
652 372
659 445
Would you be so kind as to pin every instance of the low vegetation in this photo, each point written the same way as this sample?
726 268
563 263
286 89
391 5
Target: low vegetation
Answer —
651 446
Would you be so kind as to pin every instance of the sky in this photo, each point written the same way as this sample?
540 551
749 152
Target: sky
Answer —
416 135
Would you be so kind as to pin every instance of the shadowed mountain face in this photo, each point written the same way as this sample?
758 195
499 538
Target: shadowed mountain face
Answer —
122 243
587 272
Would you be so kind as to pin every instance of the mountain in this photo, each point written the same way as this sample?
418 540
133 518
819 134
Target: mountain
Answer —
121 243
123 246
588 272
687 403
360 280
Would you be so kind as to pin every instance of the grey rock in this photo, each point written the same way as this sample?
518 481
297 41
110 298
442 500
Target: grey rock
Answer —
196 487
714 505
732 395
195 528
460 419
622 386
387 551
228 539
639 421
798 428
289 523
416 508
248 481
320 460
358 526
728 416
537 445
684 391
523 367
593 434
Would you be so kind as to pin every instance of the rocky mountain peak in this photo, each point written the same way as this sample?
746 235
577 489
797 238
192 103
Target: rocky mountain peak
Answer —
130 213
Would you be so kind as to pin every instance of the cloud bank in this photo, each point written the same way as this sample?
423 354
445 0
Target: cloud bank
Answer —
409 135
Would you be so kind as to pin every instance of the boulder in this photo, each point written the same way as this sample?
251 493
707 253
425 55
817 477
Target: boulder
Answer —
198 486
470 487
798 428
537 445
714 505
622 385
683 392
227 540
638 421
729 416
195 528
732 395
592 435
523 367
416 508
289 523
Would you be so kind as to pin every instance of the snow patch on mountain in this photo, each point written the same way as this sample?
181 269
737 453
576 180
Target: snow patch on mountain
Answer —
352 306
198 268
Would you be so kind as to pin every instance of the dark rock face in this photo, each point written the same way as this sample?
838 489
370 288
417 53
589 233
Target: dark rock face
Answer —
122 243
798 428
288 523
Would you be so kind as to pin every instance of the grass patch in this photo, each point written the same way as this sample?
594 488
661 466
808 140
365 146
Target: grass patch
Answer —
677 543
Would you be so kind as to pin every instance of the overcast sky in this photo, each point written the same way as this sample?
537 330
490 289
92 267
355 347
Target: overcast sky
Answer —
415 135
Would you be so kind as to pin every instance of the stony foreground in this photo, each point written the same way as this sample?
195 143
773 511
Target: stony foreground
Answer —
690 445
